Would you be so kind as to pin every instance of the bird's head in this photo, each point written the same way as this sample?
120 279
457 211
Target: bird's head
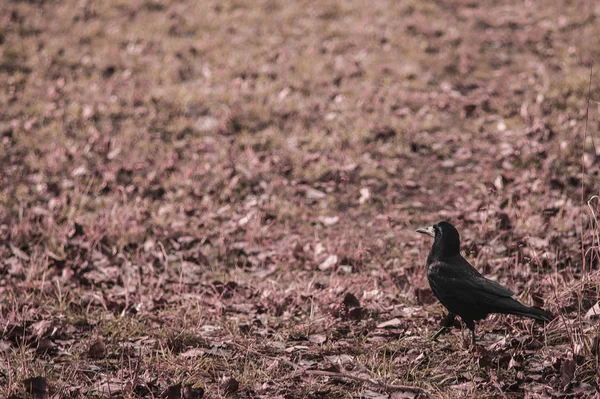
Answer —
446 240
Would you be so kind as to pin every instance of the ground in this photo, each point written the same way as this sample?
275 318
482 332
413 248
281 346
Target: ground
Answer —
219 198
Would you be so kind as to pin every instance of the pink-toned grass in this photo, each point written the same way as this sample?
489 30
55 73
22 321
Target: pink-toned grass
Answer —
190 190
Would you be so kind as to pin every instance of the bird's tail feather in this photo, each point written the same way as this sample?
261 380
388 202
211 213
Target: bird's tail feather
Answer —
510 306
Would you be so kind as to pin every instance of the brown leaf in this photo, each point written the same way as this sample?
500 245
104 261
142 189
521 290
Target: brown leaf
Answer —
328 263
191 353
503 221
18 253
467 386
593 312
403 395
45 345
368 394
172 392
383 133
97 350
393 222
538 243
567 371
395 322
596 345
189 392
40 328
77 231
229 385
110 388
317 338
356 313
328 221
178 391
425 296
513 363
312 193
36 387
299 252
345 360
365 194
350 301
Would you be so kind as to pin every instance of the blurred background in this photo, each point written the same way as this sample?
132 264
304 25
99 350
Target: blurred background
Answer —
172 165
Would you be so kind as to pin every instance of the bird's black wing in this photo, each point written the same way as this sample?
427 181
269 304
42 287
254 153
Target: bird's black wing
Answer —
456 283
464 291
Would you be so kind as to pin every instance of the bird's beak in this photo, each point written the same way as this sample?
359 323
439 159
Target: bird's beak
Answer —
427 230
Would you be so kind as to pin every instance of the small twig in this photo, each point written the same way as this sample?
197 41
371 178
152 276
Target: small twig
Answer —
388 387
257 353
595 219
300 370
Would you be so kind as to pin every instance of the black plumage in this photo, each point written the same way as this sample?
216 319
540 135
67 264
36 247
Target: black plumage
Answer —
462 289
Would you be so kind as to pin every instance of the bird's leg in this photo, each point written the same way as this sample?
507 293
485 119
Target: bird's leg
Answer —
446 324
471 325
448 320
438 333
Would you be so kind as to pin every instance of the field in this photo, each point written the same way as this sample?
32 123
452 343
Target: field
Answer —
219 198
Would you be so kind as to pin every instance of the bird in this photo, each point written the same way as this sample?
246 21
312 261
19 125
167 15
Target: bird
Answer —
462 289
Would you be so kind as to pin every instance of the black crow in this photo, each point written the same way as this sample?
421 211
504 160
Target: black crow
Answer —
462 289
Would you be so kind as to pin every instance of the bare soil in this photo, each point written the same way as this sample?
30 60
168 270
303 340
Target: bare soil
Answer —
219 198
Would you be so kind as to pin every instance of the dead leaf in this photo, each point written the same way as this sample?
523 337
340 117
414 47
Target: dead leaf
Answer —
403 395
312 193
295 348
344 360
328 221
191 353
329 262
45 345
499 182
110 387
395 322
317 338
214 351
538 243
503 221
365 194
77 231
596 345
179 391
467 386
97 350
206 124
368 394
18 253
298 251
36 387
593 312
356 313
567 371
406 311
513 363
383 133
229 385
40 328
191 392
172 392
584 390
350 301
425 296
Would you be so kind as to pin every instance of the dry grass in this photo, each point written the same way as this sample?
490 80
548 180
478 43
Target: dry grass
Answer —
190 190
